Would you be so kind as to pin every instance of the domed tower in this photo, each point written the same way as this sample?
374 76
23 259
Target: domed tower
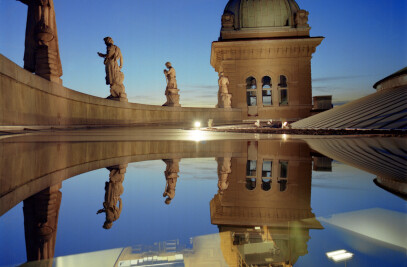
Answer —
265 50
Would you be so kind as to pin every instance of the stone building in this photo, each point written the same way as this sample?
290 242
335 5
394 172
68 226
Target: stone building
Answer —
265 50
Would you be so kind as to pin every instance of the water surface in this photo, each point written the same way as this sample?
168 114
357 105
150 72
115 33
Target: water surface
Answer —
114 198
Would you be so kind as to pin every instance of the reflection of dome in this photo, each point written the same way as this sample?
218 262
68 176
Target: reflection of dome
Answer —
262 13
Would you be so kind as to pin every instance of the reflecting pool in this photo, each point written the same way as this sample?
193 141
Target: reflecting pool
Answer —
143 197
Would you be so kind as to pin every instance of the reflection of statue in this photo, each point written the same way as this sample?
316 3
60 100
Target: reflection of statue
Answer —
224 98
171 91
40 222
113 190
114 76
41 54
224 169
171 175
301 19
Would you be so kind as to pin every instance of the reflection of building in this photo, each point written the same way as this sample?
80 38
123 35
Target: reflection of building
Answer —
265 50
384 109
264 216
384 157
40 223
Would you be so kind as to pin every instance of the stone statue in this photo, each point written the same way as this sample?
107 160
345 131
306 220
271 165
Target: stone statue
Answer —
224 98
113 190
41 54
171 176
114 76
171 91
301 19
224 169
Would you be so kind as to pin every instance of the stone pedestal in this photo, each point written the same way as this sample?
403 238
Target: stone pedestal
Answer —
172 98
224 101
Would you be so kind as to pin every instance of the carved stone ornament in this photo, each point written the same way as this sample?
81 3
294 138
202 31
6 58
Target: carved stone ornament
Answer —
227 20
301 19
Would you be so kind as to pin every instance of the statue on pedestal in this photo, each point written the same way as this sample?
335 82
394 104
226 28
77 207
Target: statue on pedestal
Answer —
171 92
113 190
41 55
171 176
224 98
114 76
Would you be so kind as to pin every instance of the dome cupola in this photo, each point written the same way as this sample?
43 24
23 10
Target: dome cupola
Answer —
263 18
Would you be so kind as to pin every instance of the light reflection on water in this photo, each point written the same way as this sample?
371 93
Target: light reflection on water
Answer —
226 202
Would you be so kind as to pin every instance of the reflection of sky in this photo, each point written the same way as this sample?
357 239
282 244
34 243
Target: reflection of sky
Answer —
145 218
365 41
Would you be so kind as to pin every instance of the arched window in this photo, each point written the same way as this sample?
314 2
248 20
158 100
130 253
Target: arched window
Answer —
283 184
283 90
266 184
283 169
251 87
266 91
251 83
250 183
251 173
267 168
282 180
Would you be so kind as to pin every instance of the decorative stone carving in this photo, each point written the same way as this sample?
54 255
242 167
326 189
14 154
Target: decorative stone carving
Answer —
114 76
41 55
171 176
113 190
301 19
224 169
228 20
171 92
224 98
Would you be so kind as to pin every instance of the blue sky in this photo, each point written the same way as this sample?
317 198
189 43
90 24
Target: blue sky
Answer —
364 42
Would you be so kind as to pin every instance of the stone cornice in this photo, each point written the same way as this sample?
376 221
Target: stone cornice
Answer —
263 49
264 32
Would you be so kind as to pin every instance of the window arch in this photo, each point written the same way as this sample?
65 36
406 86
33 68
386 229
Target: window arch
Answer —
251 173
251 88
250 183
265 184
251 83
283 184
266 91
282 180
283 90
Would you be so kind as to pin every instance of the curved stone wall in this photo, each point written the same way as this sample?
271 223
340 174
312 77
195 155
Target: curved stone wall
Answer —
28 166
29 100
